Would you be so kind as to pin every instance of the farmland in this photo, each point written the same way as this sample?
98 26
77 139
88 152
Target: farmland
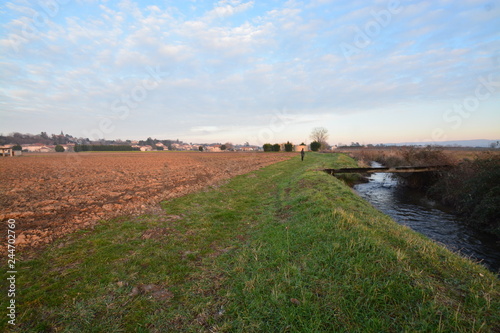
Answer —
52 195
286 248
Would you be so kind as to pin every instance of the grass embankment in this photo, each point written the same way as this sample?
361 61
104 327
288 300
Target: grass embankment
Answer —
285 248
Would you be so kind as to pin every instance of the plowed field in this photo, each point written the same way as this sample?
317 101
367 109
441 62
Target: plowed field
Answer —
55 194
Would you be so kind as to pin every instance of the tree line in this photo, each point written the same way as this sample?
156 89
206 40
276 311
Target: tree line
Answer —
79 148
314 146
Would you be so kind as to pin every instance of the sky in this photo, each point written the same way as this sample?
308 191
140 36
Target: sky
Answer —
252 71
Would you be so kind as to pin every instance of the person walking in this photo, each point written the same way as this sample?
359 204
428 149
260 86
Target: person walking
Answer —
302 153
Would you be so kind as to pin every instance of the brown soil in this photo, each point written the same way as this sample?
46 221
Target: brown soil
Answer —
52 195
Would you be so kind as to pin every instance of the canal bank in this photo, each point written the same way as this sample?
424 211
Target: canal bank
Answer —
412 208
284 248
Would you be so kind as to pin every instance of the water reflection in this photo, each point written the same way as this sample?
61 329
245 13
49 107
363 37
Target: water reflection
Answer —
409 207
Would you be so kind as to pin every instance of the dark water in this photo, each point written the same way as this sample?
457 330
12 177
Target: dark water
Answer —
411 208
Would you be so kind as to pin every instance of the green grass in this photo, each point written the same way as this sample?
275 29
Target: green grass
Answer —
283 249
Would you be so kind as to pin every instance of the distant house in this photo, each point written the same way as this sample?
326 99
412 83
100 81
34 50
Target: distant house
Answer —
68 147
182 146
300 147
213 148
7 150
145 148
37 148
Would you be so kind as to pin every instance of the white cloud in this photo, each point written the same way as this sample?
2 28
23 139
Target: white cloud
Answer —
227 8
231 66
204 129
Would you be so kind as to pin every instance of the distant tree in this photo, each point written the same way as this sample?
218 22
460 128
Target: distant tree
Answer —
17 147
159 148
223 147
83 147
315 146
44 135
267 147
288 146
229 146
320 134
59 149
276 147
150 142
200 148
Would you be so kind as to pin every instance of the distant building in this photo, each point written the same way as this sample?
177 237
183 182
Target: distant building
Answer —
182 146
38 148
300 147
6 151
213 148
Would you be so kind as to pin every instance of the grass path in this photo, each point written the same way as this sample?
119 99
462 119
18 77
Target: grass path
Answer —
282 249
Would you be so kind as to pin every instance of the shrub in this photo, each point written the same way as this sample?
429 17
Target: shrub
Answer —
288 146
276 147
315 145
59 149
267 147
79 148
473 189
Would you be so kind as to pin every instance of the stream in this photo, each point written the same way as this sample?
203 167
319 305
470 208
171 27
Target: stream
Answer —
411 208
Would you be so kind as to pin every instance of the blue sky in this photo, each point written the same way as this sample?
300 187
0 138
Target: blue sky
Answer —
256 71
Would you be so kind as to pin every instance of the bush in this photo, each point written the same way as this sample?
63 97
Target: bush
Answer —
425 156
473 189
267 147
276 147
17 147
60 149
315 145
288 146
79 148
404 156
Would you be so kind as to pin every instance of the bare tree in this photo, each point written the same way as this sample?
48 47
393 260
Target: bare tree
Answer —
320 134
